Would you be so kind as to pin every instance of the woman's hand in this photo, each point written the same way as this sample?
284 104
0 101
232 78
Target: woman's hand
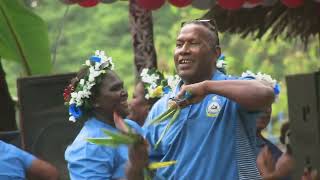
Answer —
265 162
284 165
138 160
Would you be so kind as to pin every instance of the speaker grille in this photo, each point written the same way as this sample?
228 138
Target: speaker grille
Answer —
304 116
45 129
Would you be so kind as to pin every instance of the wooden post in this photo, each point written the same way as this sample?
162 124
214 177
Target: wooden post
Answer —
142 37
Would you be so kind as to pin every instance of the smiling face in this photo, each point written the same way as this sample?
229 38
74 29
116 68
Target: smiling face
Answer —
194 56
138 106
111 96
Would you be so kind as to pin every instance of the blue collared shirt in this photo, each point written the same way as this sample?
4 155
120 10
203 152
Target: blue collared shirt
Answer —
213 139
14 162
91 161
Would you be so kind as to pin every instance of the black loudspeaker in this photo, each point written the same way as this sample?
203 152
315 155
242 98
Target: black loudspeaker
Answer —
304 117
45 129
11 137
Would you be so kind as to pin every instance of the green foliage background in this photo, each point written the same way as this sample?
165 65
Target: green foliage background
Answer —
106 27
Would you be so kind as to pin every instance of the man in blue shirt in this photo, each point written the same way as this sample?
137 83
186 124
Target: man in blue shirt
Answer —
18 164
214 135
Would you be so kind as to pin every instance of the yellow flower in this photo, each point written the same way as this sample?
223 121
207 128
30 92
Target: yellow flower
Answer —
157 92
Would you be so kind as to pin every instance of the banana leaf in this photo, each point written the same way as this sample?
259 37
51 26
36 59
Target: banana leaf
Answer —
158 165
130 138
24 37
171 121
107 141
115 139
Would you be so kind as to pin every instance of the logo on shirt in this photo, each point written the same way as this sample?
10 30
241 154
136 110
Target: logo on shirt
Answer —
213 108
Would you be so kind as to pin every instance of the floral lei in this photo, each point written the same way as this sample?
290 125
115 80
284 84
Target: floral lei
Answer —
156 84
77 97
266 79
221 63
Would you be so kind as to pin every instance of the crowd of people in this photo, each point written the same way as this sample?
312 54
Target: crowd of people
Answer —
217 134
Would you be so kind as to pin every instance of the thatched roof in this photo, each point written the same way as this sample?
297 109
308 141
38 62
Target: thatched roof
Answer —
302 22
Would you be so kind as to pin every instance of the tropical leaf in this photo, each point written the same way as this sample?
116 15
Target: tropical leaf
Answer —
147 174
158 165
172 120
119 136
115 139
163 116
24 37
105 141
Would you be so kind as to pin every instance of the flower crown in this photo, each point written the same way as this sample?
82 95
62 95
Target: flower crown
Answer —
266 79
156 84
77 97
221 63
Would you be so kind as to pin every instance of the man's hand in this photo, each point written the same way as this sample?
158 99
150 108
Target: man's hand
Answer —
197 91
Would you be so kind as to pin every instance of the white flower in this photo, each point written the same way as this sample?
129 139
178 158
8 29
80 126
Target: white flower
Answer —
111 65
79 102
264 78
173 81
97 66
99 53
72 101
147 79
83 92
221 64
248 73
74 94
144 72
88 63
91 78
72 119
81 82
153 85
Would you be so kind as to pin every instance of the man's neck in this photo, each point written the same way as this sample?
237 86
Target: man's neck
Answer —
199 79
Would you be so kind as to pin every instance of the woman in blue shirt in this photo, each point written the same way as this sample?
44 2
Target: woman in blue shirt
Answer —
95 94
19 165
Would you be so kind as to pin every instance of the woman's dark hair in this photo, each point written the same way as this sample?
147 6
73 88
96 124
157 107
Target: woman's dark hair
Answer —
284 134
87 107
152 101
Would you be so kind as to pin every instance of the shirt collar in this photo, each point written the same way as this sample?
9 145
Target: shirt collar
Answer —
95 122
260 141
217 75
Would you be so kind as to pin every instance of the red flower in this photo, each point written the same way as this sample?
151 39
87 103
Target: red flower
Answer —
67 92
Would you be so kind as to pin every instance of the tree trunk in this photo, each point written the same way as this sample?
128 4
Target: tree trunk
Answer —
142 37
7 110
